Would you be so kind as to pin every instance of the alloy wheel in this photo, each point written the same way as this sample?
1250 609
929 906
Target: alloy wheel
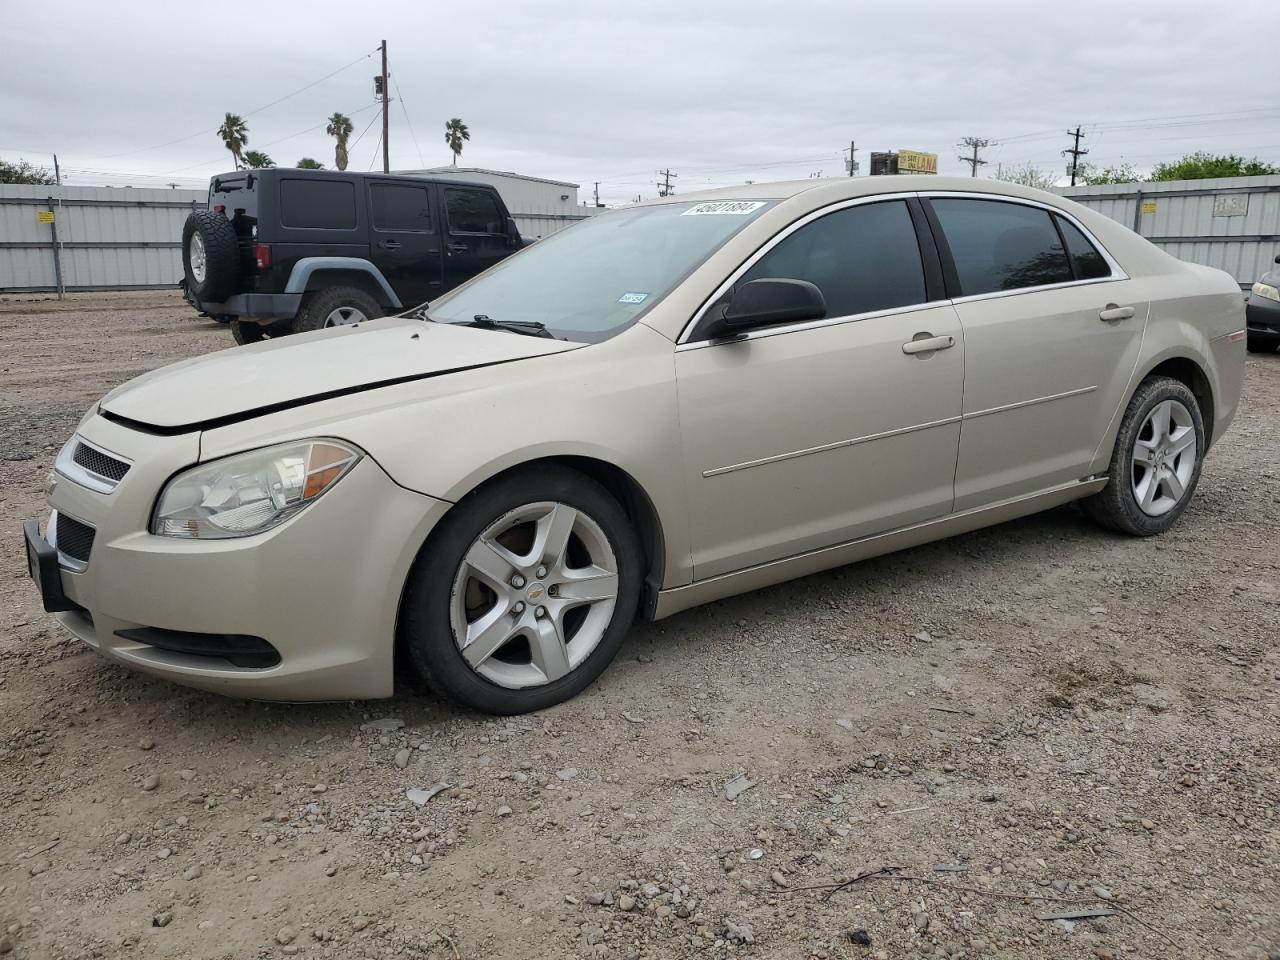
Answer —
534 595
197 257
344 316
1164 458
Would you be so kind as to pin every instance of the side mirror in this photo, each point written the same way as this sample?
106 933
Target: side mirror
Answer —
764 302
1278 258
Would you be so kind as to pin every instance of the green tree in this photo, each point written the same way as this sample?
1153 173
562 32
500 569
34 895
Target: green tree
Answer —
1202 165
1027 175
235 137
1118 173
24 172
455 131
306 163
255 160
340 129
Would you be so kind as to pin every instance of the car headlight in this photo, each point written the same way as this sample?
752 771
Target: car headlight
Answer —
1261 289
249 493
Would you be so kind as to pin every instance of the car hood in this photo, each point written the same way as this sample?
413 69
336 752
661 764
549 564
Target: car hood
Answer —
249 381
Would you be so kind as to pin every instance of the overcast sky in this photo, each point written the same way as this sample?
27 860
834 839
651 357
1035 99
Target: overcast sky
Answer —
720 92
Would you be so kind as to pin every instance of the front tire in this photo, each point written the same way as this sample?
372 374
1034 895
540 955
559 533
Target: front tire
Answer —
1155 466
524 593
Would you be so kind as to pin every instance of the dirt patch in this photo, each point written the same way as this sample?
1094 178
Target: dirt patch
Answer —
1039 709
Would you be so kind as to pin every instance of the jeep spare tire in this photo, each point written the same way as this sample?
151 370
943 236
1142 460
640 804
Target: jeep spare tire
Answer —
210 256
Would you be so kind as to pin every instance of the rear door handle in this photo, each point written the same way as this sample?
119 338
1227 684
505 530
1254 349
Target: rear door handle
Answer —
457 247
1115 312
928 344
389 244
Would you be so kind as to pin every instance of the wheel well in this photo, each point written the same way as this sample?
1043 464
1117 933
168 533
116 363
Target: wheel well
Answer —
322 279
1188 373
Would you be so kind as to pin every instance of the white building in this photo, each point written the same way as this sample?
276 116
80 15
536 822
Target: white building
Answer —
539 207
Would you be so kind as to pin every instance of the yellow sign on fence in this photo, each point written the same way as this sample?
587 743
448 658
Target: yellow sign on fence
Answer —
1148 207
913 161
44 216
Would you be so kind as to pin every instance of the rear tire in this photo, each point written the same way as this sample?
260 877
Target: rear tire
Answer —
1144 461
210 256
445 597
1262 342
246 331
335 306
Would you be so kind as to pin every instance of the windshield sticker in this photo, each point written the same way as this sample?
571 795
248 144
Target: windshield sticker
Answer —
724 208
633 298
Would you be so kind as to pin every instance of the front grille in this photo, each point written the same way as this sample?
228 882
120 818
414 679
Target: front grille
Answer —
95 461
75 539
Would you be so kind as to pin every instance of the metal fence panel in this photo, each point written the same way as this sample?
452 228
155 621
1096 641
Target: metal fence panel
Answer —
1230 223
107 237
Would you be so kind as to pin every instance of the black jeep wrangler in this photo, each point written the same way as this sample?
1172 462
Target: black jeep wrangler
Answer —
281 251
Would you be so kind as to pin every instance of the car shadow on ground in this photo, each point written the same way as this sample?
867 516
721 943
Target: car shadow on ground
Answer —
911 569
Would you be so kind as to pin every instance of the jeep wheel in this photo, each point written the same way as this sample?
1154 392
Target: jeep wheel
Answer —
246 331
335 307
210 256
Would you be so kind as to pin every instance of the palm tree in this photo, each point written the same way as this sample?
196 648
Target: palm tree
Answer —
340 129
235 136
455 131
256 160
306 163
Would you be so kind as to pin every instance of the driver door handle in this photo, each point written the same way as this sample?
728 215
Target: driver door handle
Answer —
389 244
1115 312
457 247
928 344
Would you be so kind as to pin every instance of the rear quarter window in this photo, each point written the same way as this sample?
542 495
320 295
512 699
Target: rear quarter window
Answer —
1090 264
307 204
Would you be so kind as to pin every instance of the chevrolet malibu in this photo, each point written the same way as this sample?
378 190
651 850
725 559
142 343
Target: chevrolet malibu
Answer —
661 406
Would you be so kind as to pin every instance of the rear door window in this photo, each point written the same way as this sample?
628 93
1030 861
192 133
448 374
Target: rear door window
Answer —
1089 263
307 204
863 258
400 207
473 211
1000 246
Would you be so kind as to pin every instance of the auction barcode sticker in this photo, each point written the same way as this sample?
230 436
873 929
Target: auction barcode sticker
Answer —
724 208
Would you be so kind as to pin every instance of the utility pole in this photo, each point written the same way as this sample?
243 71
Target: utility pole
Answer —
386 113
664 188
597 193
57 174
1075 152
852 163
975 144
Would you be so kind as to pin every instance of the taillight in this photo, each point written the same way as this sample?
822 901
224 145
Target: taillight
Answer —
219 208
262 253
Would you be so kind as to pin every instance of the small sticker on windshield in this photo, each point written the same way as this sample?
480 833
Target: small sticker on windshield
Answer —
633 298
724 208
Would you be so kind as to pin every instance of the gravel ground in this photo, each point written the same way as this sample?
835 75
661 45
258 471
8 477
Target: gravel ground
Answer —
1033 718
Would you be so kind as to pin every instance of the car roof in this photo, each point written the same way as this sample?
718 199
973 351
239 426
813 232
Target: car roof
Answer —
298 172
827 189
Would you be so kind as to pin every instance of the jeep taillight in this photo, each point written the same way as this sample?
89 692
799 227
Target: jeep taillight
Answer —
262 254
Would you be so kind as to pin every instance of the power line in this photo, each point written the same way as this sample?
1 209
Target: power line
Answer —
272 143
205 132
407 123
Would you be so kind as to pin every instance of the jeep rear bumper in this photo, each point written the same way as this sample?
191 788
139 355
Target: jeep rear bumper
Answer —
252 306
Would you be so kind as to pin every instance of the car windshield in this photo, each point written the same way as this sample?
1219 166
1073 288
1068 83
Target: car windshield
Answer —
593 280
